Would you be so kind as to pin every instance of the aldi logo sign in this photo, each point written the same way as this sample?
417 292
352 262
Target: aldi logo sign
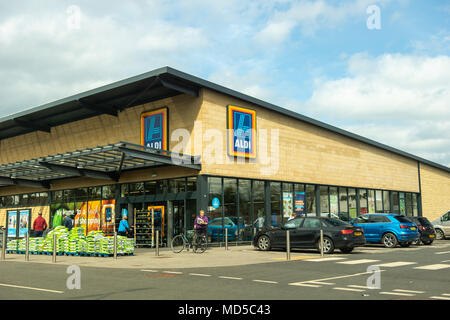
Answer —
154 129
241 125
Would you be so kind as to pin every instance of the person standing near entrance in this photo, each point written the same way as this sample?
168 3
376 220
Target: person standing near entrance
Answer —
123 227
68 222
39 225
201 223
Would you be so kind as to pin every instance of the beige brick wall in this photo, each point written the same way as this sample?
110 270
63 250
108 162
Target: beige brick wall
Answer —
308 153
435 191
97 131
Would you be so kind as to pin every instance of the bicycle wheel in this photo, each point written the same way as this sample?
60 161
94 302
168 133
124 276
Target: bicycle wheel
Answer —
177 245
200 245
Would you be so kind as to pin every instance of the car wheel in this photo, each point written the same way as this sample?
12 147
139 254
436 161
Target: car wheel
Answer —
389 240
439 234
427 243
328 245
346 250
264 243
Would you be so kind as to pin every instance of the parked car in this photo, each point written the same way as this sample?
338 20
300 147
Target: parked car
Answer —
426 230
304 232
388 229
442 226
234 225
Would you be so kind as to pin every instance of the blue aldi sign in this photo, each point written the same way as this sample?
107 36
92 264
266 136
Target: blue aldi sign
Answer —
154 128
241 125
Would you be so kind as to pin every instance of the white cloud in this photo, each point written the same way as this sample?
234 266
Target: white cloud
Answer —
400 100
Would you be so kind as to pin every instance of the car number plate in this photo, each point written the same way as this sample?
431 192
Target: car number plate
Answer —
358 233
413 228
431 235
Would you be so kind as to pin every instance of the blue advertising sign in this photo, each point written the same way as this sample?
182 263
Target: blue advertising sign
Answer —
299 203
154 126
241 132
215 203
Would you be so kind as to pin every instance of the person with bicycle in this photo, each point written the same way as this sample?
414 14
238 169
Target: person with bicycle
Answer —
201 224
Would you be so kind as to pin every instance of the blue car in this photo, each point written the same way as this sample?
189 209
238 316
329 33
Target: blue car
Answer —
388 229
234 225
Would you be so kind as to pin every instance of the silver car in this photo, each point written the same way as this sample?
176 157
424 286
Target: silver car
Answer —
442 226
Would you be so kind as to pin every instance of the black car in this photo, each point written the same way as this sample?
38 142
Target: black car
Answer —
426 230
304 232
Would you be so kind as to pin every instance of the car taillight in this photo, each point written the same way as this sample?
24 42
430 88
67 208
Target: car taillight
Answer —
421 228
402 226
347 231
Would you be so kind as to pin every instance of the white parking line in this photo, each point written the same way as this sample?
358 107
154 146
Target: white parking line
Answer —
446 294
445 261
324 259
331 278
396 264
408 291
146 270
29 288
265 281
360 261
324 283
442 298
442 252
173 272
301 284
200 274
232 278
437 266
397 293
348 289
356 286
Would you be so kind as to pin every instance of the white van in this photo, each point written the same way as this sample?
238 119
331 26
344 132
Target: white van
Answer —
442 226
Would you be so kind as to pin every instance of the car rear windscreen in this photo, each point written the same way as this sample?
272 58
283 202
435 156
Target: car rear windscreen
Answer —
336 222
402 219
424 222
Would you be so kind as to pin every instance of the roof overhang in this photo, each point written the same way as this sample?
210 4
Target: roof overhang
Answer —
102 162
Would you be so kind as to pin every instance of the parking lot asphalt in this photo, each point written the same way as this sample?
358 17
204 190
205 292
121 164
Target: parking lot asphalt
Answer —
418 272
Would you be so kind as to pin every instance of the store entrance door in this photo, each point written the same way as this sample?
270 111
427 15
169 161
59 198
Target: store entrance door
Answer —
178 217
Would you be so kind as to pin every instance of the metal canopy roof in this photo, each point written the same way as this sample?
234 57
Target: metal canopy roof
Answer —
103 162
151 86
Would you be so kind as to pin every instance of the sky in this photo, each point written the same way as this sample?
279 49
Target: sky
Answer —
380 69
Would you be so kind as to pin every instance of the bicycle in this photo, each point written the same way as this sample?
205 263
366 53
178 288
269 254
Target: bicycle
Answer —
194 241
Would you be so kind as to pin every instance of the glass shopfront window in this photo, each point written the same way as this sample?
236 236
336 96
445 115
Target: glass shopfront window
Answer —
324 207
415 206
95 193
334 205
150 187
136 189
343 205
395 203
191 184
230 197
371 201
109 192
258 204
215 227
245 210
310 200
379 201
363 207
177 185
275 205
402 204
352 208
288 201
386 202
409 205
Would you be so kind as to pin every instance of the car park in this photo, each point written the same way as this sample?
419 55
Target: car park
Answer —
388 229
304 233
426 230
442 226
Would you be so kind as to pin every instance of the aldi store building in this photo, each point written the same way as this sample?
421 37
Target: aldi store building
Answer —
168 141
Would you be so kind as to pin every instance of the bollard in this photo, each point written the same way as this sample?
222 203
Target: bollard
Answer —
321 243
4 244
288 246
226 239
27 246
157 243
54 248
115 245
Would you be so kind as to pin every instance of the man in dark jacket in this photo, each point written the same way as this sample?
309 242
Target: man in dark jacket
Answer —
67 221
39 225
